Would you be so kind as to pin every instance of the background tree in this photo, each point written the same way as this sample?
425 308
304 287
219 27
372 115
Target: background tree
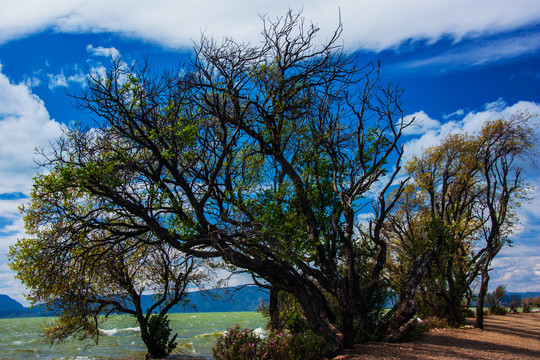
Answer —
85 272
494 300
514 303
471 186
434 225
503 147
526 304
264 156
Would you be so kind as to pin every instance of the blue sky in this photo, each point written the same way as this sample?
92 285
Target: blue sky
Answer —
462 62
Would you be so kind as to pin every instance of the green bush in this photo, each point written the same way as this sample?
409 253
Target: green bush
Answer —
308 346
498 310
244 344
159 328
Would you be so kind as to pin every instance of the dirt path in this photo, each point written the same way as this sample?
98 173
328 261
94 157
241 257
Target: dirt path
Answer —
513 336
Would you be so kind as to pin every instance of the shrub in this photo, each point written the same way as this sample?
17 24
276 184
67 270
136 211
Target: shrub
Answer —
237 344
159 328
244 344
308 346
432 322
498 310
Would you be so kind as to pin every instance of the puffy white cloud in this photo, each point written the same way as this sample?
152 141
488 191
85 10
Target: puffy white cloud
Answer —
518 274
12 230
60 80
471 122
9 211
422 123
23 17
368 24
24 125
102 51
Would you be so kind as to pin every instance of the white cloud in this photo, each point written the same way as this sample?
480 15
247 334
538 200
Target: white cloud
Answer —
368 24
518 274
13 230
12 287
477 54
60 80
24 125
9 211
456 113
422 123
471 122
31 82
101 51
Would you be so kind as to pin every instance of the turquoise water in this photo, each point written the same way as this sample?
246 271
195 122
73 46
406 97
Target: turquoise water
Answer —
197 333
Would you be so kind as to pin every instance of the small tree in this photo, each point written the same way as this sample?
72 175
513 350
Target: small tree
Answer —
84 272
514 304
494 300
526 304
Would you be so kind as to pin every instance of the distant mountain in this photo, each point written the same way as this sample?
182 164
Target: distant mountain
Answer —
10 308
524 294
246 298
508 297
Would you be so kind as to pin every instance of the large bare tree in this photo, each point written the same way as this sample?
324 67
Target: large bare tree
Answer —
265 156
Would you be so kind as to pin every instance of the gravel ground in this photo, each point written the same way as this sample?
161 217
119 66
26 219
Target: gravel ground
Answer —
513 336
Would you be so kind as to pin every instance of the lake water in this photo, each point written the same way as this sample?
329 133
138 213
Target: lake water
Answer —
197 333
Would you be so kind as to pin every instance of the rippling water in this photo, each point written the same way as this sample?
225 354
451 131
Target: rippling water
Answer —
197 333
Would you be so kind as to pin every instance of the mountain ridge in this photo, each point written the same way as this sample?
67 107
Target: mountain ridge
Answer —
246 298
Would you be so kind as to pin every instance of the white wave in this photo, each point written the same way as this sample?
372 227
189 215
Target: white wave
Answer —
111 332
